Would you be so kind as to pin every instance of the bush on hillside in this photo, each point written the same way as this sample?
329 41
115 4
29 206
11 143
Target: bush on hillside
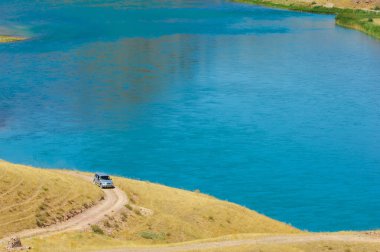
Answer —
152 235
96 229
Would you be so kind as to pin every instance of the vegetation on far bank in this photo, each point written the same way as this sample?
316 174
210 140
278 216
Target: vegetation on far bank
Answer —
366 21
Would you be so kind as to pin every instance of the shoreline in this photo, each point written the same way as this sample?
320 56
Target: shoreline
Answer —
362 20
84 173
144 216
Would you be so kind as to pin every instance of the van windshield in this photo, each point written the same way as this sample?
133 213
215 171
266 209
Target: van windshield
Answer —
105 178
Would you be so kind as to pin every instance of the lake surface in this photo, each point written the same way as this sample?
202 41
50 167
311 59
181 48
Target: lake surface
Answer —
275 110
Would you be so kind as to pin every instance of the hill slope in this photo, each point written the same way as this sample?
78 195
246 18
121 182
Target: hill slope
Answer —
155 215
180 215
31 197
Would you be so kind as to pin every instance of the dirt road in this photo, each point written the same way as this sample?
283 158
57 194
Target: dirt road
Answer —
273 239
114 200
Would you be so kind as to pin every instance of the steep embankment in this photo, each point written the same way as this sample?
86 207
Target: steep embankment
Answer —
31 197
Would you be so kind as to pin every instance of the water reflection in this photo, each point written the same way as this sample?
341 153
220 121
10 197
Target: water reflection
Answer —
113 79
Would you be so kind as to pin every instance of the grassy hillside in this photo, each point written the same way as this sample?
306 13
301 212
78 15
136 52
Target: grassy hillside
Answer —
180 215
159 215
7 39
31 197
156 215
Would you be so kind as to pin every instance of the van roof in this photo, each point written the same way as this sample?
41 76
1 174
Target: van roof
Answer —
101 174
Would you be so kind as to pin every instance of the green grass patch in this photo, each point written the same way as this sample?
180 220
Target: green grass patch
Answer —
152 235
362 22
97 230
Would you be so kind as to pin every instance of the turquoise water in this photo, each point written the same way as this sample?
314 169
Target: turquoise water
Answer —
278 111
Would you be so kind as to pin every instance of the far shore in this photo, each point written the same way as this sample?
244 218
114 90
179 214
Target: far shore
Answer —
362 17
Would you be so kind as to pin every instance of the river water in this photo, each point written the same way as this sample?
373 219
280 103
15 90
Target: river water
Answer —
275 110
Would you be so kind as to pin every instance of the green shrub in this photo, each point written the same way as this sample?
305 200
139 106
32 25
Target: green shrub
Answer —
96 229
152 235
129 207
370 19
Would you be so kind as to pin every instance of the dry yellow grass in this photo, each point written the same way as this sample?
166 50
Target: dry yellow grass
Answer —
7 39
85 241
180 215
31 197
74 241
80 241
